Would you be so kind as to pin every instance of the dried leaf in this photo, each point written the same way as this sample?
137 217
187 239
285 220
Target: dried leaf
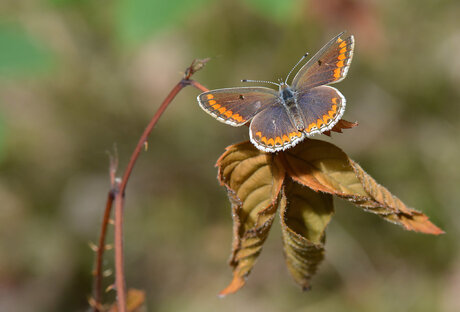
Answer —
342 124
324 167
135 299
253 180
304 217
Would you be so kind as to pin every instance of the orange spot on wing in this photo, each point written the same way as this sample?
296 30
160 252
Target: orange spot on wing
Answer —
337 73
229 113
222 110
211 102
278 140
341 57
285 138
311 126
237 117
216 106
343 50
334 108
210 96
259 134
339 40
340 64
294 134
330 113
264 140
319 122
334 100
271 142
343 44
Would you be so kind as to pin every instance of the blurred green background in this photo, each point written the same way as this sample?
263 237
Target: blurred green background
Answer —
78 76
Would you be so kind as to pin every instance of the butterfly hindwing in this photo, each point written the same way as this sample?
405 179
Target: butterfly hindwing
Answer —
281 119
271 130
329 65
322 107
235 106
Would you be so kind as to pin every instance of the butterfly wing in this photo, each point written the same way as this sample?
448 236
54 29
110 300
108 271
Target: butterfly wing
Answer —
271 130
322 107
235 106
329 65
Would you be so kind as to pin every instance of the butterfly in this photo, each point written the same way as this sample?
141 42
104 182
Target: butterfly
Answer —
279 119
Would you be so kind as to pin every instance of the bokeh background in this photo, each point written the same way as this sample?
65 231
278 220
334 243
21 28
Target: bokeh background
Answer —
80 76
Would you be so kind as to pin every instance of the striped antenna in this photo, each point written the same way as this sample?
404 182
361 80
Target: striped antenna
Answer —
262 81
301 59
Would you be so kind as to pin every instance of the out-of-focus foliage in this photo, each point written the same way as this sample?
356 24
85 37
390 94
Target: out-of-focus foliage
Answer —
20 54
86 75
138 20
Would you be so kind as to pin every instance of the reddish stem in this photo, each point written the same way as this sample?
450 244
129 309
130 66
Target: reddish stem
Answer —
100 251
117 194
198 85
120 284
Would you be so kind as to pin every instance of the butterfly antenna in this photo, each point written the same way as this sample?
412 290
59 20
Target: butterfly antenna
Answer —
301 59
262 81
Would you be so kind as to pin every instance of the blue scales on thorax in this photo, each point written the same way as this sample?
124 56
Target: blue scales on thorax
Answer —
290 104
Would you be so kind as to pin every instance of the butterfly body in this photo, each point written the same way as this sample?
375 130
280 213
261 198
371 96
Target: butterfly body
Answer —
289 100
279 119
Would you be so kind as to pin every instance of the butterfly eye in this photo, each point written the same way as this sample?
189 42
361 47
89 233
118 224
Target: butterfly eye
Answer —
241 97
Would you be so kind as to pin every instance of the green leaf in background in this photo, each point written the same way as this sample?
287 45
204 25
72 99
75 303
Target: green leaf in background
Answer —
21 54
139 19
276 9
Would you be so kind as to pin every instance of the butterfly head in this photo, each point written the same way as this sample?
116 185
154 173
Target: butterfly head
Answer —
286 91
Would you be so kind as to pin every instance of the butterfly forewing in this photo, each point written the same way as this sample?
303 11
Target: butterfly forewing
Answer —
322 107
329 65
271 130
235 106
281 119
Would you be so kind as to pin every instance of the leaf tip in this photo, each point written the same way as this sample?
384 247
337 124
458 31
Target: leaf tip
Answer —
236 283
421 224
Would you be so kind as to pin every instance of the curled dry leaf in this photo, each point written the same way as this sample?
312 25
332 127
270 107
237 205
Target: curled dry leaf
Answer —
304 216
135 300
253 181
324 167
342 124
301 181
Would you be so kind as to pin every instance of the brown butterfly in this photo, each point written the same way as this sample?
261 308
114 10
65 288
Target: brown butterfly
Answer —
282 118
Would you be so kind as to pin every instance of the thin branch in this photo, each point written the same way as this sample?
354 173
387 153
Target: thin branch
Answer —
198 85
100 252
105 221
118 196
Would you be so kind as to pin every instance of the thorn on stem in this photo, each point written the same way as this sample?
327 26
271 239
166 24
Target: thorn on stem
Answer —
108 247
93 246
107 273
146 146
110 287
92 302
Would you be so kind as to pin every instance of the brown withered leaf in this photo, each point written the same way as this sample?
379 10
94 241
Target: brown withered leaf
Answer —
253 180
135 299
304 216
301 181
324 167
342 124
